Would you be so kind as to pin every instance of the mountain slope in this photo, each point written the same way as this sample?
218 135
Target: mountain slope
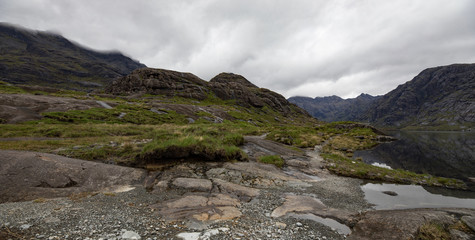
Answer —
42 58
334 108
437 97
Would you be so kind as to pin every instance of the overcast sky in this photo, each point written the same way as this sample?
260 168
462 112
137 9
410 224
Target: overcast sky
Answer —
299 47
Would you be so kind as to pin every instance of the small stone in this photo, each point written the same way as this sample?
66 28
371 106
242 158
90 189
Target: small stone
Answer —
189 236
203 185
25 226
158 111
280 225
130 235
299 224
390 193
52 220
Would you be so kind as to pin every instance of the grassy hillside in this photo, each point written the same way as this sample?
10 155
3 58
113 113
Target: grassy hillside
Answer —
138 132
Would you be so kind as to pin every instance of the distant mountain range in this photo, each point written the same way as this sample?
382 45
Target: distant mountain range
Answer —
47 59
437 98
334 108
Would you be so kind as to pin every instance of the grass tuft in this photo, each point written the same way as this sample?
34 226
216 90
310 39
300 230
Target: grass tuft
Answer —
272 159
432 231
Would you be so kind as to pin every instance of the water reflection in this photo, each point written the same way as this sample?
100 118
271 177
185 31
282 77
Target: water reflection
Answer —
447 154
410 196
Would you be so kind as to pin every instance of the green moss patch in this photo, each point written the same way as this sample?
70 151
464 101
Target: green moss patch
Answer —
344 166
272 159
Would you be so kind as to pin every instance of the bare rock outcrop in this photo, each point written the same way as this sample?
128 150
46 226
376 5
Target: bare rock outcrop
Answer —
160 82
226 86
405 224
31 175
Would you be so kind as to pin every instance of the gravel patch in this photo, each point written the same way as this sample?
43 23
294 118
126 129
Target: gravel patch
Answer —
128 214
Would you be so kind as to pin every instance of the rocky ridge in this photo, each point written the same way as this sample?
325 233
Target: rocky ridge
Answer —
225 86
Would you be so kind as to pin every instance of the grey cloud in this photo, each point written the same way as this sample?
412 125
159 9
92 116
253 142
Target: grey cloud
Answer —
301 47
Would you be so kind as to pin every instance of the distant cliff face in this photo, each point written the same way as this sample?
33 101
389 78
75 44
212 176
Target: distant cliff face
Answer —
440 97
31 57
334 108
226 86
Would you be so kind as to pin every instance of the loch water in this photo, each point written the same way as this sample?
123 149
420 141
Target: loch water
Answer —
445 154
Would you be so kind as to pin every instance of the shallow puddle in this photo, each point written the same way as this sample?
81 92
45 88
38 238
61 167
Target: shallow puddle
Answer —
410 196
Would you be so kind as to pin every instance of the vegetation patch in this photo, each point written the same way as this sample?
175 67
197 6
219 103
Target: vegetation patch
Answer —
432 231
298 136
344 166
123 113
8 88
461 226
193 143
38 90
272 159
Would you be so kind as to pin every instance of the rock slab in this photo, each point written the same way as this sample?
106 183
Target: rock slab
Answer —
30 175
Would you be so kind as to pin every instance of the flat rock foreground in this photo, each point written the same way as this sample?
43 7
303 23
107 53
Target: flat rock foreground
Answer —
46 196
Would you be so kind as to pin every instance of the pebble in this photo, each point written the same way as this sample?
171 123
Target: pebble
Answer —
280 225
25 226
130 235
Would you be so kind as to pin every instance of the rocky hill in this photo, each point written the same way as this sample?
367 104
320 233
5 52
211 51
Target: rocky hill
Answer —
335 108
437 98
47 59
225 86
